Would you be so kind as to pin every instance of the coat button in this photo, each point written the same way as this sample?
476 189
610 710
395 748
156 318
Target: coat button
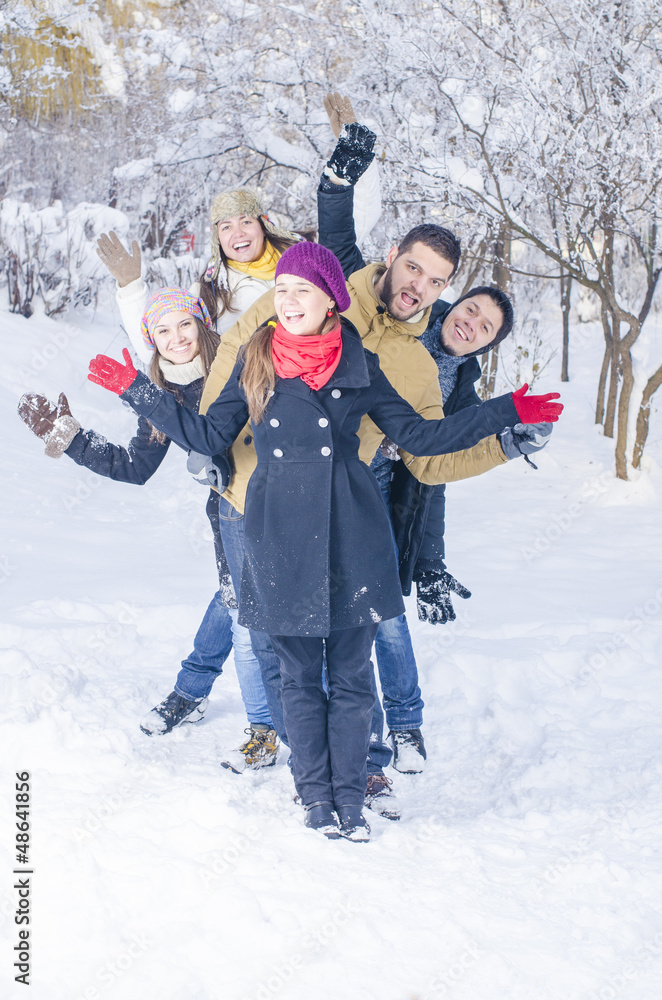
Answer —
323 422
274 422
336 393
326 451
248 439
278 453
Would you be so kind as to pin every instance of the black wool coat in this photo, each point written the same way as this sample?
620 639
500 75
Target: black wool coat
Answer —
319 555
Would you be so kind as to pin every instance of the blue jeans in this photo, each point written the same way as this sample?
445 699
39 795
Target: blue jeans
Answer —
218 634
231 523
398 673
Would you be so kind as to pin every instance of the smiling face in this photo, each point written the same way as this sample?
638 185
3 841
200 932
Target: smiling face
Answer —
241 238
413 280
176 337
470 325
301 307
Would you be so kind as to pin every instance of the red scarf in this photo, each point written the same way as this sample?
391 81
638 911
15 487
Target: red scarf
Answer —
314 359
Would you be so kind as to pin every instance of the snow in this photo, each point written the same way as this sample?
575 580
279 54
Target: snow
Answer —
526 864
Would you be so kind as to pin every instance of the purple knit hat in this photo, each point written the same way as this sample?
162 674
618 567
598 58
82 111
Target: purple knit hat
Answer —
167 300
320 267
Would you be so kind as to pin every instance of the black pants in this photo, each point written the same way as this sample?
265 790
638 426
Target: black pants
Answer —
328 736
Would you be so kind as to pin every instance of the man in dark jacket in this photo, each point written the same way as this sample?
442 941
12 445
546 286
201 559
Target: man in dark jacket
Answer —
454 336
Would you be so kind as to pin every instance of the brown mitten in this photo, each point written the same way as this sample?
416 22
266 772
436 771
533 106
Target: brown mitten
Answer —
51 422
124 266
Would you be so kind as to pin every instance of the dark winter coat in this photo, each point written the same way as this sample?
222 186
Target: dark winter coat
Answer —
318 550
418 510
139 461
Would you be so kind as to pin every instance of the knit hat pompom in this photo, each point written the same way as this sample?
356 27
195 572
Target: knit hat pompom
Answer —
167 300
228 204
320 267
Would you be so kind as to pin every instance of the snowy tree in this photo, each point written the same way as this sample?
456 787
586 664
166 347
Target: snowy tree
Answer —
555 129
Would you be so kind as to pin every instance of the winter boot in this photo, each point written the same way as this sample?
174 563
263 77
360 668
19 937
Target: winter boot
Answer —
409 753
380 797
353 825
172 712
259 750
321 817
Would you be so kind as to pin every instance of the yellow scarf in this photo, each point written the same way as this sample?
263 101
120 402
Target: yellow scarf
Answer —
264 267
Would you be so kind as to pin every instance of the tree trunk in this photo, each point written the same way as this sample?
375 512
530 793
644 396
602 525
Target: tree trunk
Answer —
501 266
604 371
610 415
566 289
643 417
491 378
482 385
623 414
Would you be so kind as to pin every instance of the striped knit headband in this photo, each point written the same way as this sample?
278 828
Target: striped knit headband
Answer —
167 300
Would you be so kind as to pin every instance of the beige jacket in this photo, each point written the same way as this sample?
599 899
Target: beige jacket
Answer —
403 359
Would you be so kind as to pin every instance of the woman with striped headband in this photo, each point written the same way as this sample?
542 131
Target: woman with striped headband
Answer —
177 328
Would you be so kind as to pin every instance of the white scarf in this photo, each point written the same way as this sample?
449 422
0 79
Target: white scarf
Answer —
182 374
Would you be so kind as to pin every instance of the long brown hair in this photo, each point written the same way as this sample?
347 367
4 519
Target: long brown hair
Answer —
258 375
212 294
207 346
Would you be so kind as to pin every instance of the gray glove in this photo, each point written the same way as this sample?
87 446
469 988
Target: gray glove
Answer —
524 439
52 422
124 266
207 470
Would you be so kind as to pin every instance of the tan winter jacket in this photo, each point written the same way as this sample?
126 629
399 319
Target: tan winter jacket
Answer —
403 359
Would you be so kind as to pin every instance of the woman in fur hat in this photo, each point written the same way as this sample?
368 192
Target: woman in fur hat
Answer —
245 248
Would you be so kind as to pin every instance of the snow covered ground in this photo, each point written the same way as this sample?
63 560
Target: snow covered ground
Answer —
526 865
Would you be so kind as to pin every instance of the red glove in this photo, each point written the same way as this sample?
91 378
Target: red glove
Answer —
537 409
112 374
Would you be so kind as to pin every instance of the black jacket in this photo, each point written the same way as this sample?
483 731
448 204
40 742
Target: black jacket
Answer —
139 461
318 551
417 510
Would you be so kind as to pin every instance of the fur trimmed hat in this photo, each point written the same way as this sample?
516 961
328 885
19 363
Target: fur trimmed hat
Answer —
320 267
241 201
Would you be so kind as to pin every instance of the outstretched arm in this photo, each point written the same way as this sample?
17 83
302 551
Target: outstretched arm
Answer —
464 429
209 435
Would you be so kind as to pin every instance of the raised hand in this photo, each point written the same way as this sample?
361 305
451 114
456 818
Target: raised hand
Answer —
340 111
111 374
124 266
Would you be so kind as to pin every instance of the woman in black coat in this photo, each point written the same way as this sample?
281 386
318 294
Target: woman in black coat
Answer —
319 571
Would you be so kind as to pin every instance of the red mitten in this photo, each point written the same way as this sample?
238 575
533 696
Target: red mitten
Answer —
112 374
537 409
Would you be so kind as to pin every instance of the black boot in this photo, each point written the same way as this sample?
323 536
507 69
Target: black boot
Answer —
320 816
353 825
